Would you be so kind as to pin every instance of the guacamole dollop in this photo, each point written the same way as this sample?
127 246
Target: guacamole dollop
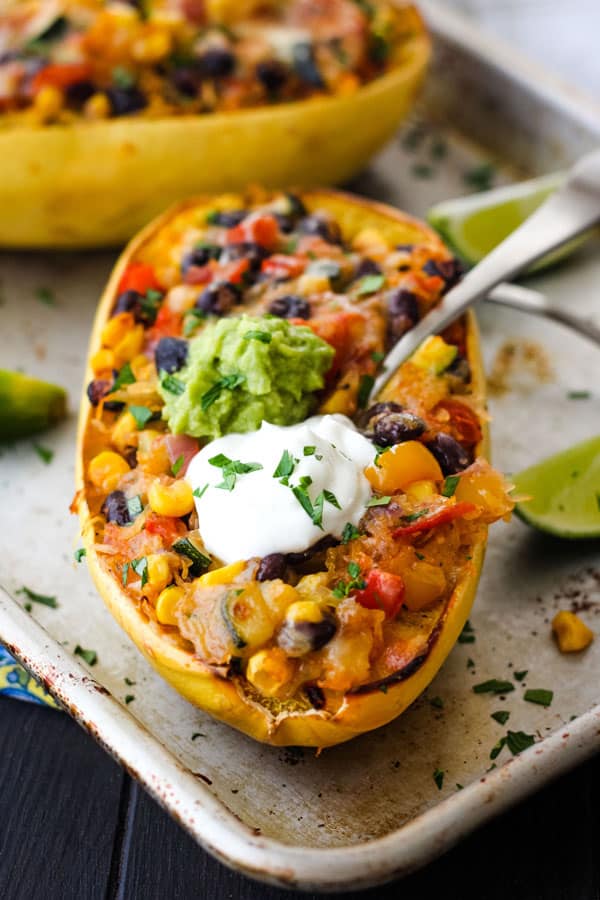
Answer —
243 371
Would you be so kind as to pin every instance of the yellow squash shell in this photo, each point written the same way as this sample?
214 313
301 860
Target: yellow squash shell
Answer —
197 682
93 184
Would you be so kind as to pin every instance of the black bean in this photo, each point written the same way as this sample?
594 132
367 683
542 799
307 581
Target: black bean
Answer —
128 301
126 100
272 75
321 226
187 80
298 638
403 311
217 299
396 427
271 566
406 248
199 256
254 253
78 93
170 354
305 65
285 222
365 419
228 218
366 267
315 695
450 270
296 208
296 559
291 306
97 389
460 369
115 508
217 62
451 456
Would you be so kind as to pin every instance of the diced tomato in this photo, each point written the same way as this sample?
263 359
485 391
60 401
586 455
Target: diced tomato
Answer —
139 277
281 266
61 75
199 274
447 513
167 528
338 330
464 422
234 271
262 230
167 324
382 590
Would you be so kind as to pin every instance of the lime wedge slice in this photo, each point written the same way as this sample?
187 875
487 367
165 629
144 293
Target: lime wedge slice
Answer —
472 226
566 492
28 405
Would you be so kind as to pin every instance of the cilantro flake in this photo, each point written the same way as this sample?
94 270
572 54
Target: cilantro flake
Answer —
285 466
129 698
124 377
438 777
378 501
521 675
134 506
176 467
44 453
578 395
227 382
140 567
450 485
539 695
265 337
44 599
90 656
46 296
467 635
370 284
79 554
141 414
365 386
437 702
493 686
309 451
350 533
199 492
501 716
173 385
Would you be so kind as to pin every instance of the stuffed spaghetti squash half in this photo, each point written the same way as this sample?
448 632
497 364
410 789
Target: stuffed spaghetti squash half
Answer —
110 110
294 557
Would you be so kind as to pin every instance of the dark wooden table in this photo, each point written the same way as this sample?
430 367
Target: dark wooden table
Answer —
73 826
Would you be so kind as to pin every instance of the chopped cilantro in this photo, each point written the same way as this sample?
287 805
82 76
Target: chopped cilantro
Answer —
365 386
309 451
44 599
517 741
192 319
377 356
46 296
350 533
356 583
467 635
141 414
420 556
90 656
231 468
134 506
227 382
79 554
579 395
128 681
493 686
422 170
413 517
122 77
264 336
521 675
439 149
129 699
285 466
301 495
370 284
501 716
176 467
150 303
140 567
378 501
539 695
199 492
438 777
383 688
125 573
480 177
450 485
44 453
197 734
470 663
174 385
437 702
124 377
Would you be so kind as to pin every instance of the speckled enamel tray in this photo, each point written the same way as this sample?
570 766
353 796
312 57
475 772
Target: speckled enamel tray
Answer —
369 810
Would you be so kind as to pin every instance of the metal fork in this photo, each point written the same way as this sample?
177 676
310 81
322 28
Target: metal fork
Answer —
537 303
574 208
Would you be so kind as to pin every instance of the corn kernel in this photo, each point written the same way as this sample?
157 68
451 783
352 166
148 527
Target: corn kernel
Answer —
421 490
116 328
102 360
370 239
269 671
124 432
106 470
571 633
151 48
167 603
304 611
48 103
175 499
224 575
152 455
278 596
313 284
159 571
130 345
97 107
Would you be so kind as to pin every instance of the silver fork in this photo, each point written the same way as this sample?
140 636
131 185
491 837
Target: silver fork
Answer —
574 208
535 302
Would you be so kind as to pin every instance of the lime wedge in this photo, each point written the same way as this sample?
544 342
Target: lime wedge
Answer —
472 226
28 405
566 492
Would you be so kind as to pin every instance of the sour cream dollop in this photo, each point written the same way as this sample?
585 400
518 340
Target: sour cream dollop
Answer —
261 514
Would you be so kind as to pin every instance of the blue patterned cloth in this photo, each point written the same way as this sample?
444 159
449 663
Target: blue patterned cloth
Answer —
16 682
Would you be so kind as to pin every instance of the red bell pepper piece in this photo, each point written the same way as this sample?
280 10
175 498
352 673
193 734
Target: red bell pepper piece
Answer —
139 277
233 271
281 266
383 590
61 75
167 324
262 230
447 513
169 529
